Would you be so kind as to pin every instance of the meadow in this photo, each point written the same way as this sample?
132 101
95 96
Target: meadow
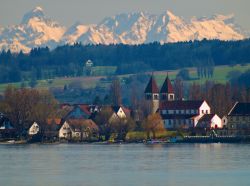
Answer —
100 73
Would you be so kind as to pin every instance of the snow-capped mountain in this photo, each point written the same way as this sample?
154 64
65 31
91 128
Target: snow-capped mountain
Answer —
34 30
133 28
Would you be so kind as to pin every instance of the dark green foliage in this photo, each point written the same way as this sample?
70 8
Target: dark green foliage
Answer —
183 74
69 60
242 80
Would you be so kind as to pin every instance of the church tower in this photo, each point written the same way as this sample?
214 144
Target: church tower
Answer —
167 91
152 94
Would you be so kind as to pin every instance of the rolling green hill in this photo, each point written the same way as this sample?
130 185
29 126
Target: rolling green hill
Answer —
220 76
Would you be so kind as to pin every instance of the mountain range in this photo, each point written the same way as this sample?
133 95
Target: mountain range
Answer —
36 29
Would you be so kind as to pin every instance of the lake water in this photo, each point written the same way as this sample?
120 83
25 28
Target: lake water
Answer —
125 165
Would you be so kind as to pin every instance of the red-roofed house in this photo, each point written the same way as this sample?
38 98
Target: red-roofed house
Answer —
80 111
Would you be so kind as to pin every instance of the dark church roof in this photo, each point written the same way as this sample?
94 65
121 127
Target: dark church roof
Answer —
152 86
206 118
178 116
167 86
181 105
240 109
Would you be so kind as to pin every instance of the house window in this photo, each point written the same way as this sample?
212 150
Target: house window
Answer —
206 111
171 97
202 111
155 96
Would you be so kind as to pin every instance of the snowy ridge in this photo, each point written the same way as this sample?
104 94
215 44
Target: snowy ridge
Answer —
134 28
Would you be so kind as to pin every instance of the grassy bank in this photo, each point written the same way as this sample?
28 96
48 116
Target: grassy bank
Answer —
141 135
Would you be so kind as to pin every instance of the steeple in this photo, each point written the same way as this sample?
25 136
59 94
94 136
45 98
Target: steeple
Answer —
167 86
152 94
167 91
152 86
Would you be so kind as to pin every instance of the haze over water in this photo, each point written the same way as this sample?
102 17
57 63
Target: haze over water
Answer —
123 165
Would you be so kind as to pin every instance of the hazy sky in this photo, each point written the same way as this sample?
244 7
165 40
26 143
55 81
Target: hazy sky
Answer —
67 12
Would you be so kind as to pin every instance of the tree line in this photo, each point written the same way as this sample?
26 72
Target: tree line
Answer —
68 60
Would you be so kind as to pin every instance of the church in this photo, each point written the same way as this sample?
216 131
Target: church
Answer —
179 114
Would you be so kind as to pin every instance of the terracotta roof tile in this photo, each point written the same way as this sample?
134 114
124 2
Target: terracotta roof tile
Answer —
167 86
152 86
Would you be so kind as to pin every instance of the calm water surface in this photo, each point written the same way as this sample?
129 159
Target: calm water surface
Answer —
124 165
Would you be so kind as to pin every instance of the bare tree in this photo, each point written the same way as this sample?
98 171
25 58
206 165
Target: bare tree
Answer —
115 91
153 123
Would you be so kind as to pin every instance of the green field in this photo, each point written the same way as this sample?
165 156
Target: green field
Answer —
103 70
220 76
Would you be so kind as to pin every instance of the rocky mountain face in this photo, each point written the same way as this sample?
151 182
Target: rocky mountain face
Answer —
36 30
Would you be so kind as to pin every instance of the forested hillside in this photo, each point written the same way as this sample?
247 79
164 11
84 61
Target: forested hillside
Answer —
68 60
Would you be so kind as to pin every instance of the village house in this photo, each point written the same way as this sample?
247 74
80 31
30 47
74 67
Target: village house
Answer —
210 121
239 119
176 114
82 111
119 112
78 129
34 129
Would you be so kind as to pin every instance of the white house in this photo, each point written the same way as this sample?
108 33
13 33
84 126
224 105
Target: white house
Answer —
211 121
119 112
89 63
183 114
34 129
65 131
78 129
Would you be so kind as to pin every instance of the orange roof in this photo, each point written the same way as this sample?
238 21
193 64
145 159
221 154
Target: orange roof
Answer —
56 121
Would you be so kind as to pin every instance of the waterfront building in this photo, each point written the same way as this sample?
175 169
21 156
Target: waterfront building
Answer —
78 129
239 119
178 114
34 129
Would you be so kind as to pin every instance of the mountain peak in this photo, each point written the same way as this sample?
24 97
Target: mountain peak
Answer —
36 12
171 15
38 9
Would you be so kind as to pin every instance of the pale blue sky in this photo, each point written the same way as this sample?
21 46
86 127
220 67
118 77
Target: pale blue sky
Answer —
67 12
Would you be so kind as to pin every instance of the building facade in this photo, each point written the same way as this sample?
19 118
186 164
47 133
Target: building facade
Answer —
238 119
177 114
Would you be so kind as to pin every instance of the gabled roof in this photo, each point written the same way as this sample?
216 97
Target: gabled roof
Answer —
77 124
181 105
206 117
56 121
152 86
85 108
178 116
240 109
167 86
125 110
